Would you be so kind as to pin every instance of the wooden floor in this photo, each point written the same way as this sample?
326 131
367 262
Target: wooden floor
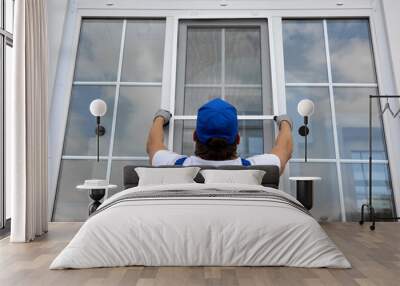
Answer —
375 257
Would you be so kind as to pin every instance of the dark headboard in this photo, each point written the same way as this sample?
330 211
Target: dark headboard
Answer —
270 179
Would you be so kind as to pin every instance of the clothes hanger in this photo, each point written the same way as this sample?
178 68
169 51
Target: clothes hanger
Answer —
387 107
397 113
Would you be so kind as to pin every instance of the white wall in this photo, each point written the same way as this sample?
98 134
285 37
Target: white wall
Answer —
391 11
56 11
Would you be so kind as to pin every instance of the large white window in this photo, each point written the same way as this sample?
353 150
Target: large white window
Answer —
331 62
121 62
327 60
229 60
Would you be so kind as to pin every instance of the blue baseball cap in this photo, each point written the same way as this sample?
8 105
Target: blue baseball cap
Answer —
217 119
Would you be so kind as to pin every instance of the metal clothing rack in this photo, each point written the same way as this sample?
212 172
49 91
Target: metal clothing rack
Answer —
369 206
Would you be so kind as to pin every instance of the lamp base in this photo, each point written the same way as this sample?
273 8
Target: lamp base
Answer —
303 130
100 130
96 195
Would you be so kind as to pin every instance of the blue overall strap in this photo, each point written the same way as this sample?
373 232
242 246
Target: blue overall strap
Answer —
180 161
245 162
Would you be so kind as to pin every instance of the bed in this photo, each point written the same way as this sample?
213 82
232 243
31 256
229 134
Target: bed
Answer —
197 224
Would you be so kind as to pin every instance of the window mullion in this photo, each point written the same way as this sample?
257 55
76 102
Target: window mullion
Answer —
114 119
223 63
240 117
169 74
178 97
334 126
277 63
265 67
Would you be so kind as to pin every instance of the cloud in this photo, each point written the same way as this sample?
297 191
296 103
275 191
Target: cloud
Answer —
98 50
304 51
352 61
144 51
349 46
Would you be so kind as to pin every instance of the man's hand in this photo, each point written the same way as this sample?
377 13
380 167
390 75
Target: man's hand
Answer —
155 141
283 145
165 114
281 118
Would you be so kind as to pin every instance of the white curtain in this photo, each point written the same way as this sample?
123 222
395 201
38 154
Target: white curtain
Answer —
26 117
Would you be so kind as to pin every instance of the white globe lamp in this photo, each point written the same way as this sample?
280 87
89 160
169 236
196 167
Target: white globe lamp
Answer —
98 108
305 108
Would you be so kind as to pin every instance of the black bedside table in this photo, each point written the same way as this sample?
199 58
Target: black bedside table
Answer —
304 190
96 193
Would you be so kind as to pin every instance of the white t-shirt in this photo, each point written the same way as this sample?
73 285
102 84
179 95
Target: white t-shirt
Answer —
168 158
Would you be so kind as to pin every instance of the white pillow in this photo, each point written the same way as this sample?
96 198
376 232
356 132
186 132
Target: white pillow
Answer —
165 176
248 177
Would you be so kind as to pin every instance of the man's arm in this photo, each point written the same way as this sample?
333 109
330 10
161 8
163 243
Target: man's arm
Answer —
155 140
283 147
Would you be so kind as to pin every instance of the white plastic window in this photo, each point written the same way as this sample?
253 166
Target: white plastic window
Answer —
121 62
331 62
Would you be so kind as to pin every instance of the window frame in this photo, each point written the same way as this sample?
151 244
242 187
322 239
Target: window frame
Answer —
266 90
174 11
331 85
116 84
6 39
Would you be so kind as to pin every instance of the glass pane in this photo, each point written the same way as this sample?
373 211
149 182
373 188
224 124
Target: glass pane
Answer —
251 134
352 117
248 100
196 97
136 107
351 51
98 50
304 51
203 55
71 204
183 136
326 206
355 187
320 139
243 56
242 83
117 173
143 51
80 136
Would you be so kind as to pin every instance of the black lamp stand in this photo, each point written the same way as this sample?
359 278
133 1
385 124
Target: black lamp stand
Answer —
369 206
303 131
100 131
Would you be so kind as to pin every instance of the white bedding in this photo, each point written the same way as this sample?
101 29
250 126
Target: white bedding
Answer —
200 231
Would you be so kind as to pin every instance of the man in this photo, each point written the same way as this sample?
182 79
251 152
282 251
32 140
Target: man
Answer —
216 138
